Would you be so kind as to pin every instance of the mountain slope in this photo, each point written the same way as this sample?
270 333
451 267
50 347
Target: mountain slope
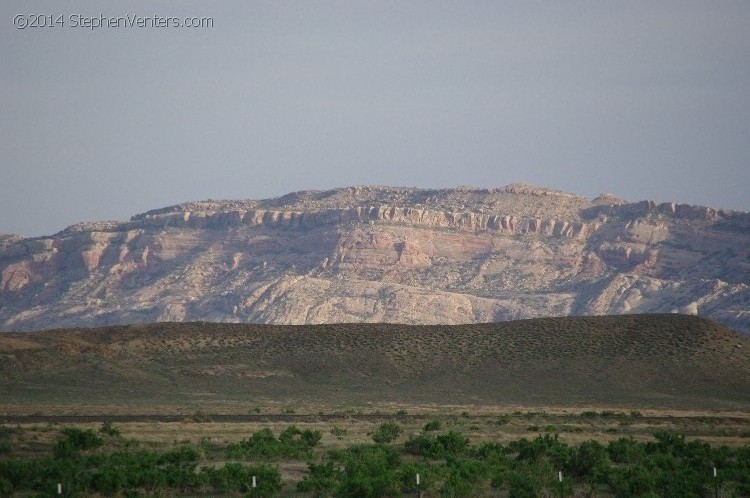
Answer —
636 360
379 254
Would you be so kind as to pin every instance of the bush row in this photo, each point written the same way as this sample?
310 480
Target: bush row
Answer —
447 464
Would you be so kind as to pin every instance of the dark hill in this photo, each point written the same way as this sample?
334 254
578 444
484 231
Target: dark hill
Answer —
634 360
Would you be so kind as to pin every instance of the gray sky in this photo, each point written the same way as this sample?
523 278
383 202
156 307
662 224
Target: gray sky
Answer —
643 99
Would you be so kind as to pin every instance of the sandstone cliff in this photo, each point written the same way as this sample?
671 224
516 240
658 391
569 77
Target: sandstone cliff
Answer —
379 254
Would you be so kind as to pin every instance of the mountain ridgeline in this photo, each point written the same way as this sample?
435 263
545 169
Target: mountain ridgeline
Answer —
386 255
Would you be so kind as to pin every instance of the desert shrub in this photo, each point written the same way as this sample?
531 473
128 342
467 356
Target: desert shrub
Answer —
311 438
542 446
667 466
237 477
407 475
503 419
585 457
449 444
423 445
291 443
432 425
632 481
338 432
625 451
520 485
453 443
109 480
185 454
491 452
109 429
6 487
132 472
82 439
369 471
292 435
365 470
321 479
465 477
75 441
387 432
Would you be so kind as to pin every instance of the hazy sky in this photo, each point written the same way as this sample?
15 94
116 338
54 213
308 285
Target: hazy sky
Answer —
643 99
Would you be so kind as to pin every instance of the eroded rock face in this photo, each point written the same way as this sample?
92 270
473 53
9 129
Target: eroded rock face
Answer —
380 254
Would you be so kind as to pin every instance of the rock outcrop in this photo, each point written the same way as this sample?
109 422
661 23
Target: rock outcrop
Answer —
378 254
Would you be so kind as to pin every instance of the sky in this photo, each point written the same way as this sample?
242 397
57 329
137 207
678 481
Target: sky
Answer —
641 99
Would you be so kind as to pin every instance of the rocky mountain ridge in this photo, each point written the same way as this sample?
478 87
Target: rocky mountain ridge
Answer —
372 254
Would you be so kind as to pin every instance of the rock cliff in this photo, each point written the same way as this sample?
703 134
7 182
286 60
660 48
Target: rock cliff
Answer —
380 254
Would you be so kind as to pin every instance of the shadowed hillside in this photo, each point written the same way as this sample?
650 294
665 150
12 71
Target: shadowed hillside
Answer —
634 360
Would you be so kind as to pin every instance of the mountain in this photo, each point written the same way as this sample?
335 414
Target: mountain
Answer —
637 360
381 254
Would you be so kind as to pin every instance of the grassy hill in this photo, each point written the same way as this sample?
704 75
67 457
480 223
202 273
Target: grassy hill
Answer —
667 361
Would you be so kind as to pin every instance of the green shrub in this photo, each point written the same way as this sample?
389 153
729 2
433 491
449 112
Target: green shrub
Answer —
75 441
423 445
370 472
491 452
338 432
625 451
521 485
441 446
387 432
585 458
321 479
109 429
237 477
407 474
453 443
541 447
6 487
311 438
432 425
291 443
465 477
632 481
82 439
668 466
